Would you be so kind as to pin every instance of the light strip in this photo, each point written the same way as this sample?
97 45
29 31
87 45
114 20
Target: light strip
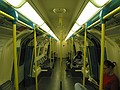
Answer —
75 27
15 3
45 27
70 33
30 13
52 34
100 3
87 13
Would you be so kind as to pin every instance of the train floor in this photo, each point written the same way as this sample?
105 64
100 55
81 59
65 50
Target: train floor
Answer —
52 82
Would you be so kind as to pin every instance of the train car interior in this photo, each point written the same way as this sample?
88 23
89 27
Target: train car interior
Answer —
54 44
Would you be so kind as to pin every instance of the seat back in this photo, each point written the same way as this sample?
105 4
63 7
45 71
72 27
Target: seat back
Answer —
7 86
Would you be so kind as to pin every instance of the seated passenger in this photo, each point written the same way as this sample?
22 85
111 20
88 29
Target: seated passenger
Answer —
78 59
110 80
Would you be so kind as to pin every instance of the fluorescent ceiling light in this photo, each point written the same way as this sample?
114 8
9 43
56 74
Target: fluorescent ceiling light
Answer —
87 13
45 27
30 13
50 32
75 27
53 35
15 3
70 33
100 3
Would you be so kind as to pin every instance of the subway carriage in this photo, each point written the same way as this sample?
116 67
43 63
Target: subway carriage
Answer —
59 44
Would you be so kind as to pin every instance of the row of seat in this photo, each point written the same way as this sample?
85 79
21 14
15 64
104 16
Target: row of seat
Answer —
8 85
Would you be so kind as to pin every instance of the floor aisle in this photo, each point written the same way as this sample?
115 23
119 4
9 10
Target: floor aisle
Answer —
53 82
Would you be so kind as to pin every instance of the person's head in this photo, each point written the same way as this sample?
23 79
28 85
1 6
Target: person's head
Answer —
108 66
79 53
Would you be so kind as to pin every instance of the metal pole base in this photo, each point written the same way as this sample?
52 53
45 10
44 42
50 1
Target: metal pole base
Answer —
60 85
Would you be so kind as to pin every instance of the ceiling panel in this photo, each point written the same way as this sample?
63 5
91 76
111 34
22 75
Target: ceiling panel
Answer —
45 9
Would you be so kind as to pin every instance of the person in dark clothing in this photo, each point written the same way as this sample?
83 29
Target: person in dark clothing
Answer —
78 59
110 80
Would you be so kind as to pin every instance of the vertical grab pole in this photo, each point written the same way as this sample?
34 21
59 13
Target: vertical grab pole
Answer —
102 55
15 56
84 66
35 61
71 50
53 50
61 61
60 22
69 47
50 52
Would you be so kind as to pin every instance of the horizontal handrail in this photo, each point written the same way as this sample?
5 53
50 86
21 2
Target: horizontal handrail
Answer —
7 15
